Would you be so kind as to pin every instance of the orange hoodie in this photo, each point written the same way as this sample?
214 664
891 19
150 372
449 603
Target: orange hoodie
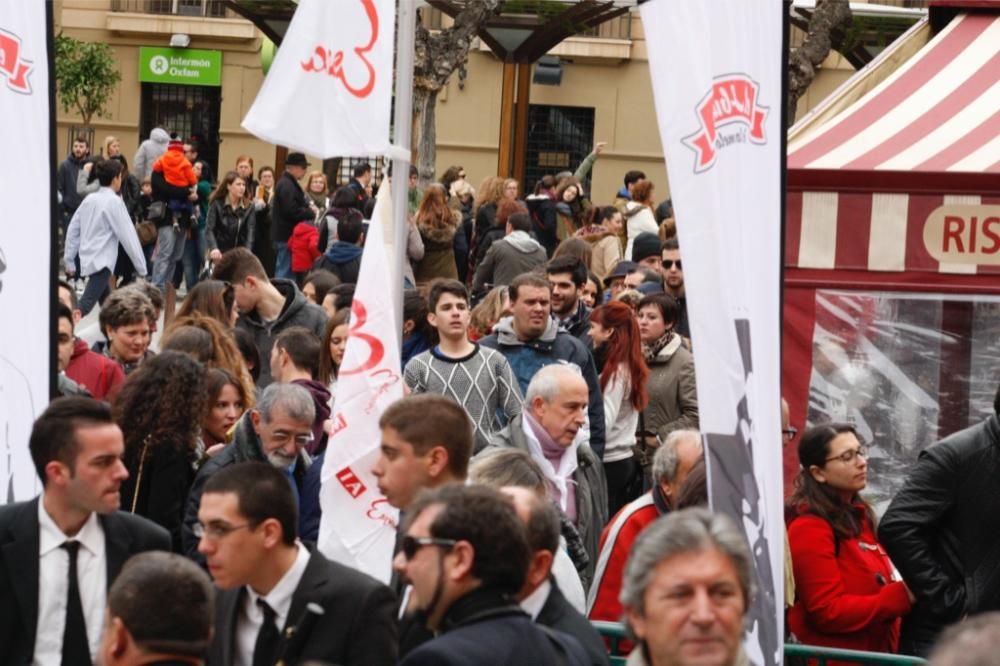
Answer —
175 168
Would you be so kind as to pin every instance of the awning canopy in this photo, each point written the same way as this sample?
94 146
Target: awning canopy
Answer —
939 113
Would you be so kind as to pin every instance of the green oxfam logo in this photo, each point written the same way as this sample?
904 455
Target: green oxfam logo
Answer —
180 66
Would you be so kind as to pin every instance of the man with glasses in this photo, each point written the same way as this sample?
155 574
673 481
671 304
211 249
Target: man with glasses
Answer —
279 598
673 279
466 554
277 431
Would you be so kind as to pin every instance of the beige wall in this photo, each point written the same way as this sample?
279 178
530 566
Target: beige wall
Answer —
241 72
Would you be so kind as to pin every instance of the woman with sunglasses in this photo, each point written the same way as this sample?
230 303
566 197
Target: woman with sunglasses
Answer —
848 592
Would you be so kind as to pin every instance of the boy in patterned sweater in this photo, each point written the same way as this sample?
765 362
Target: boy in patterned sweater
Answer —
477 378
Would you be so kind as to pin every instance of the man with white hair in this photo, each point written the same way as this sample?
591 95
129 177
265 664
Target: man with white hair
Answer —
672 463
551 429
704 555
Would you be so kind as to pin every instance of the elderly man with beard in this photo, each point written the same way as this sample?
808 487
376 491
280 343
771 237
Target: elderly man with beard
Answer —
277 431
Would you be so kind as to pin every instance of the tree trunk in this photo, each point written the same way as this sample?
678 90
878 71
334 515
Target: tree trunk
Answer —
425 136
828 25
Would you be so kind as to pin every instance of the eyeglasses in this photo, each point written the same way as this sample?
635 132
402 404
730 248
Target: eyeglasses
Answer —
789 433
847 457
669 263
217 531
412 544
282 438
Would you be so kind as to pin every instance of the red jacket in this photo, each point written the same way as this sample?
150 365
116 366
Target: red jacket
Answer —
302 245
175 168
94 372
616 542
844 589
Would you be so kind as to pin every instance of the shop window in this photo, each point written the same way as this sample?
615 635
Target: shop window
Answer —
191 111
905 369
559 137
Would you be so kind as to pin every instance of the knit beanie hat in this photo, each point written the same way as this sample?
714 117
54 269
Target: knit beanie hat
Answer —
646 244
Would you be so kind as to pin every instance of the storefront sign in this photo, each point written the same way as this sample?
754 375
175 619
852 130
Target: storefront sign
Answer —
962 234
190 67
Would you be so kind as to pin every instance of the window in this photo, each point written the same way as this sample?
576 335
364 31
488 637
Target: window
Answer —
906 369
559 137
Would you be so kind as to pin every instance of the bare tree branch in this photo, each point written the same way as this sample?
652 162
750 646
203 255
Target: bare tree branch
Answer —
828 25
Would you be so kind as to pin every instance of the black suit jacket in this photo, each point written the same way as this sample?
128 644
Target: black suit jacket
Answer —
357 629
559 614
124 535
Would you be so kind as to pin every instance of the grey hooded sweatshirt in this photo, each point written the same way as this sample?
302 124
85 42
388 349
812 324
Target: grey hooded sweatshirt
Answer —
149 151
507 258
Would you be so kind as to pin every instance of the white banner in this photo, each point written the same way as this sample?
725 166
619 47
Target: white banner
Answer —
25 240
358 527
328 92
716 72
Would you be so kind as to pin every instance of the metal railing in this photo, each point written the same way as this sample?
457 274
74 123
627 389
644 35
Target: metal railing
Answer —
619 27
198 8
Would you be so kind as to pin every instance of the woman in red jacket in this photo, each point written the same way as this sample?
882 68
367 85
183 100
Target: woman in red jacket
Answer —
848 594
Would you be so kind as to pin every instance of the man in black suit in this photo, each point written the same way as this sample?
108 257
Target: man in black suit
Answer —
61 551
540 597
466 554
279 598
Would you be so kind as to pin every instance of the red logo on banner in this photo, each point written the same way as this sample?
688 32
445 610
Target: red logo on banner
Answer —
332 62
732 100
12 63
352 484
375 513
376 350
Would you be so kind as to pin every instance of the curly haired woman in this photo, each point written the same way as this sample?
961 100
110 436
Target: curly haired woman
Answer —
160 410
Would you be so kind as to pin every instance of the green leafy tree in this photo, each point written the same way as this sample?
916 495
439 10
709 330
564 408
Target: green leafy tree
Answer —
85 76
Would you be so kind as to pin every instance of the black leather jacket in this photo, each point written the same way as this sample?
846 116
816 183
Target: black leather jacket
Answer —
942 528
227 228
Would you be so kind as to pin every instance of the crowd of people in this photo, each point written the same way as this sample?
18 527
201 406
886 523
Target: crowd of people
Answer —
546 461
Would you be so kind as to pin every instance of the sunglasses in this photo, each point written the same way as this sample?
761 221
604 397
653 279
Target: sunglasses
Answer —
412 544
669 263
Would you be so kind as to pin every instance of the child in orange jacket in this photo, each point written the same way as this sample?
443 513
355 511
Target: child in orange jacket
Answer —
179 172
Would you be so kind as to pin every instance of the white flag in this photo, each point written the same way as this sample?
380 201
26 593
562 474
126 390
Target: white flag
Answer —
358 527
328 92
26 326
716 72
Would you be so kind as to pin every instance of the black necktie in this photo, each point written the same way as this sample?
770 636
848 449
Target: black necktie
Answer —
265 650
75 648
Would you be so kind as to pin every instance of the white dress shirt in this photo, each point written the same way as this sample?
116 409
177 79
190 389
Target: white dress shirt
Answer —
97 226
533 603
279 599
53 586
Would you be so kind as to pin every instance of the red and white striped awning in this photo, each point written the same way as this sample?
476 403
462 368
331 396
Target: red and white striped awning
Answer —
939 112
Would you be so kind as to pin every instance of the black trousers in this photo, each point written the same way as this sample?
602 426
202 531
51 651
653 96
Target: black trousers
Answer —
621 478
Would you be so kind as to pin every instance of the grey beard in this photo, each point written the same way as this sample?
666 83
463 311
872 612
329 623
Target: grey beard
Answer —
280 460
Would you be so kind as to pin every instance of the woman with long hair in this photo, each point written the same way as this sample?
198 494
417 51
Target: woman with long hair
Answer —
160 410
331 351
212 298
437 224
494 306
216 347
231 220
639 215
484 208
616 339
569 207
226 404
593 291
317 191
848 592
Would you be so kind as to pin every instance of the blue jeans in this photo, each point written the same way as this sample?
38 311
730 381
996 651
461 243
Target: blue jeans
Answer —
169 248
194 257
283 265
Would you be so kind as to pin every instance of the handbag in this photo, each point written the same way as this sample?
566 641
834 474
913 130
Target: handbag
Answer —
138 477
157 213
146 231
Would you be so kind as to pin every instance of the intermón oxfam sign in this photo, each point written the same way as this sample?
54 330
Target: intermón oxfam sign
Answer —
192 67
